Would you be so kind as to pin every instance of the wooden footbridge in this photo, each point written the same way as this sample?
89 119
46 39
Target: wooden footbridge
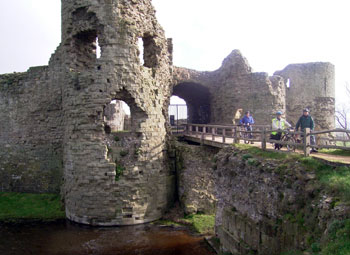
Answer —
224 135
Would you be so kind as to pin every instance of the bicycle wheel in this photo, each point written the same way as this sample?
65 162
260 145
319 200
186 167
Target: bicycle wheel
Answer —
290 139
245 137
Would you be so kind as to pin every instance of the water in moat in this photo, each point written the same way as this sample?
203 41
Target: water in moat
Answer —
64 237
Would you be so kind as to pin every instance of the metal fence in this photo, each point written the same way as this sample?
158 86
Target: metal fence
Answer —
177 117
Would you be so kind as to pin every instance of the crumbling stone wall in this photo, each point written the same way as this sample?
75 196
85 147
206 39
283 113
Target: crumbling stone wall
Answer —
52 117
31 131
92 191
270 206
195 177
57 114
311 85
214 97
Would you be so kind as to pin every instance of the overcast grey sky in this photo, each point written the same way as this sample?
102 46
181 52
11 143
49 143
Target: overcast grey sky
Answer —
270 33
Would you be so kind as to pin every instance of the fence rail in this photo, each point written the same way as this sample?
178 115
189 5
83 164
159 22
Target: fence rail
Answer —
261 133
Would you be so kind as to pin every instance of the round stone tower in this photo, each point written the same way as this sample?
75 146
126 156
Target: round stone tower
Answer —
310 85
114 178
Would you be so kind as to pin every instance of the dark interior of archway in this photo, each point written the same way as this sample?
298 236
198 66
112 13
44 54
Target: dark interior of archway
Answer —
197 98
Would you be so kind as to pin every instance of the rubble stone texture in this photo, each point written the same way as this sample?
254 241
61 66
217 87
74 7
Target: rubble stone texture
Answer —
53 127
195 177
270 206
312 86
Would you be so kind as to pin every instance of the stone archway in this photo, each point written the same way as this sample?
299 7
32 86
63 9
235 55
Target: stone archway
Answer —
197 98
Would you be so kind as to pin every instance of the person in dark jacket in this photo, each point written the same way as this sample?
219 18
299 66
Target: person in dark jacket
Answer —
306 121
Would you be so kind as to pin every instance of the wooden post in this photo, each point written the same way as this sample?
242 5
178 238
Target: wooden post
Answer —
263 138
213 134
223 135
235 135
307 142
197 131
203 134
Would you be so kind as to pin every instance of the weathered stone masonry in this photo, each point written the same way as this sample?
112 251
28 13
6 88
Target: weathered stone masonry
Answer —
92 192
31 137
235 86
53 127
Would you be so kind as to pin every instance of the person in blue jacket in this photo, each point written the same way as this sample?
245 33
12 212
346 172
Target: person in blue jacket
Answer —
247 121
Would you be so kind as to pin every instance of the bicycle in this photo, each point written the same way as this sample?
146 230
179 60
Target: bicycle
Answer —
289 137
245 135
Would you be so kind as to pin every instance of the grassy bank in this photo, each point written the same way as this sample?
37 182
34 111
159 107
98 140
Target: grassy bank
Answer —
337 242
249 149
337 152
331 179
200 223
24 206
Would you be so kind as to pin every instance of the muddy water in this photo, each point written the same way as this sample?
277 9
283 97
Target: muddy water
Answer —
64 237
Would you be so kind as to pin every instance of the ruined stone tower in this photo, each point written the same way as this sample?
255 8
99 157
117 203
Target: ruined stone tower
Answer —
94 159
56 131
310 85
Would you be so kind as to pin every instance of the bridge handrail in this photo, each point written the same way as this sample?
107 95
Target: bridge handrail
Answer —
238 130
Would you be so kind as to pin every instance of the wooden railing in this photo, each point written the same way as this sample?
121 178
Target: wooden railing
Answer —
261 133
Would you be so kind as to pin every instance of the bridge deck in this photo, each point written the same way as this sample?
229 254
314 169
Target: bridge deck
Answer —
217 142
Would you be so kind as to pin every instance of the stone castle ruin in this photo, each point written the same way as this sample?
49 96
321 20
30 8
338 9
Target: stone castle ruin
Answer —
59 132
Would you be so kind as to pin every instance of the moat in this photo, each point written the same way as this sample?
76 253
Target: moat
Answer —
65 237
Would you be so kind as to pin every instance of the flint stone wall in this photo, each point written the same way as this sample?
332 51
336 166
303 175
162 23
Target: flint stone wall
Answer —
56 114
31 124
195 177
93 193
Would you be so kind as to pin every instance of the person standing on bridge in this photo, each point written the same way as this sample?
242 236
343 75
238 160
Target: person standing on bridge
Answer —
306 121
247 121
278 124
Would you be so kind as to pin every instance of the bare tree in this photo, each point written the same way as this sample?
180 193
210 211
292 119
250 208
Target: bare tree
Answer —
342 111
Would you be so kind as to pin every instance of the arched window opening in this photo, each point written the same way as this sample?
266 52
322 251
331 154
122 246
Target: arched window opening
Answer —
86 49
148 51
177 113
123 133
117 117
140 46
288 83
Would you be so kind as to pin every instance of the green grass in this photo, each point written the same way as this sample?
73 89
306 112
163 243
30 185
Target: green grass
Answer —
202 223
264 154
335 180
347 144
336 243
30 206
337 152
338 239
119 169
